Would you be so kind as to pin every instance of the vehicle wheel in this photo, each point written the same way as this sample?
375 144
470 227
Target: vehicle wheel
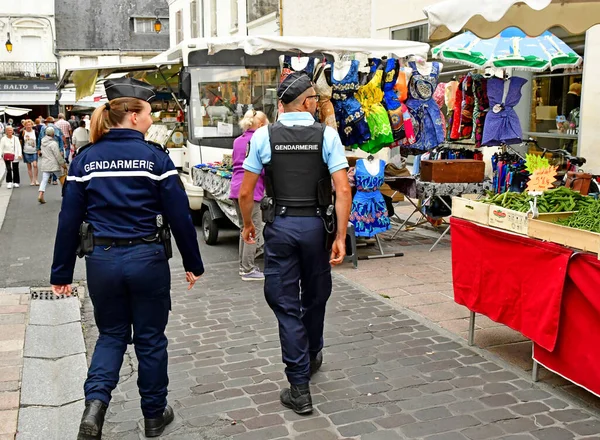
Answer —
210 229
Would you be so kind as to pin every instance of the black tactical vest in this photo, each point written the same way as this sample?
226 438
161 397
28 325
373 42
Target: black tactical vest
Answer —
296 168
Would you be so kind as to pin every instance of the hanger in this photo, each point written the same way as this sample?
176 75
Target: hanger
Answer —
370 158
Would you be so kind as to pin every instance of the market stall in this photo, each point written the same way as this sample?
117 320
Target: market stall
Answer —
534 274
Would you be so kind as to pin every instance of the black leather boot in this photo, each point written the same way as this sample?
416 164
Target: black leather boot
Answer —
316 363
92 420
297 398
155 427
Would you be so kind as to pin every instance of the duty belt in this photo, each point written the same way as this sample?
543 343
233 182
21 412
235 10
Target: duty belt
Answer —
305 211
120 242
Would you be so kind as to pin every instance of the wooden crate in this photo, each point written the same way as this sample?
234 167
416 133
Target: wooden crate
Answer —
453 171
543 229
472 210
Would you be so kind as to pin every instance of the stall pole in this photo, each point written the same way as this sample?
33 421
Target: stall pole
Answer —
382 255
535 372
471 329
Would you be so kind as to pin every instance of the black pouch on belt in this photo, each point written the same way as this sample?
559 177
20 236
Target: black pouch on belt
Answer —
86 240
164 234
267 207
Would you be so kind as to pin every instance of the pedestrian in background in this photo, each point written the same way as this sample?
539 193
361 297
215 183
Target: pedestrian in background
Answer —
38 126
297 237
74 123
30 156
126 190
11 153
81 137
52 162
65 127
251 122
58 136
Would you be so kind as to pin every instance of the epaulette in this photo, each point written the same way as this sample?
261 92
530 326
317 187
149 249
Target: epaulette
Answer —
157 145
80 149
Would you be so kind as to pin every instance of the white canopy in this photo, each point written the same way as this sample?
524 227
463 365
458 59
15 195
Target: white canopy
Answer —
14 111
487 18
336 46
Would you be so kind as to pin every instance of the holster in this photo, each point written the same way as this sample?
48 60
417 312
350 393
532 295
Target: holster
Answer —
165 237
164 234
86 240
330 222
267 208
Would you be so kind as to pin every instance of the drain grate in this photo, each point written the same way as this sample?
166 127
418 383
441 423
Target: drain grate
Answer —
46 294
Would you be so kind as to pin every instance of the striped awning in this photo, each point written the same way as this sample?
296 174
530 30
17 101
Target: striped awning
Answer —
487 18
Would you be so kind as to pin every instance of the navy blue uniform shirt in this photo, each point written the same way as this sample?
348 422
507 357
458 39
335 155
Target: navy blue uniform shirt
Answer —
119 185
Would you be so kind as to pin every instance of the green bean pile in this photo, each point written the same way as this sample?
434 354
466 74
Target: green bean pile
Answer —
587 218
555 200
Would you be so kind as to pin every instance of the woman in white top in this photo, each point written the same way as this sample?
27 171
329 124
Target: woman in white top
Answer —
11 153
30 156
81 136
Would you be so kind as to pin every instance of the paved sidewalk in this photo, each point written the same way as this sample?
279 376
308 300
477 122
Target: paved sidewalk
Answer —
388 374
14 309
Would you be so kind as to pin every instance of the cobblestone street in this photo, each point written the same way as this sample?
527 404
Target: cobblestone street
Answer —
387 374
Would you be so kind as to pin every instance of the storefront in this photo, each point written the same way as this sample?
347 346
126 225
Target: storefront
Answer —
39 96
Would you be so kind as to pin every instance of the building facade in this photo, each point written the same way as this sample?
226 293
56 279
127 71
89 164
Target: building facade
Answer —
109 32
222 18
29 72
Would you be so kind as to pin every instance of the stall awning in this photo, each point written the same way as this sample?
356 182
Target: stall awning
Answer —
14 111
487 18
68 97
86 80
28 98
258 45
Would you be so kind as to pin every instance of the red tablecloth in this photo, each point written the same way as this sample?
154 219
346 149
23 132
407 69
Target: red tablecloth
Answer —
577 352
514 280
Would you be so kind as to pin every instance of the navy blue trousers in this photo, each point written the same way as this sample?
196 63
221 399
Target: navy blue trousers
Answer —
297 287
130 290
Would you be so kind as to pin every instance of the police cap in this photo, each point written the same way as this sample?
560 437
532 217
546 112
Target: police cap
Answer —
294 85
129 88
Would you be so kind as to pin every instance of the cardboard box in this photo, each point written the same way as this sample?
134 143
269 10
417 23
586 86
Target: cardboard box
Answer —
508 219
386 190
472 210
453 171
543 228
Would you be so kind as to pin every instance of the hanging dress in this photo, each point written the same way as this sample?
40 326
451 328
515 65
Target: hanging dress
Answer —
401 88
424 109
440 98
502 125
451 88
482 105
370 96
467 106
350 117
287 67
323 89
457 111
400 119
369 213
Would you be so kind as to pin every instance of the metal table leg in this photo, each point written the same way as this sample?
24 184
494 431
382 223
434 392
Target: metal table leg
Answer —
440 239
471 340
416 210
382 255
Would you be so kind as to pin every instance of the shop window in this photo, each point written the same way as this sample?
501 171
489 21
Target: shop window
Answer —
419 33
222 95
259 8
144 25
178 26
234 14
213 18
194 18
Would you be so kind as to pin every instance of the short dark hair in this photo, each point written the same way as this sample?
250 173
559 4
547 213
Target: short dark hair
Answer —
82 123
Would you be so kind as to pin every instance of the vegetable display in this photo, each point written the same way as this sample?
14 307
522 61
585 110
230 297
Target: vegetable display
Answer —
588 218
555 200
